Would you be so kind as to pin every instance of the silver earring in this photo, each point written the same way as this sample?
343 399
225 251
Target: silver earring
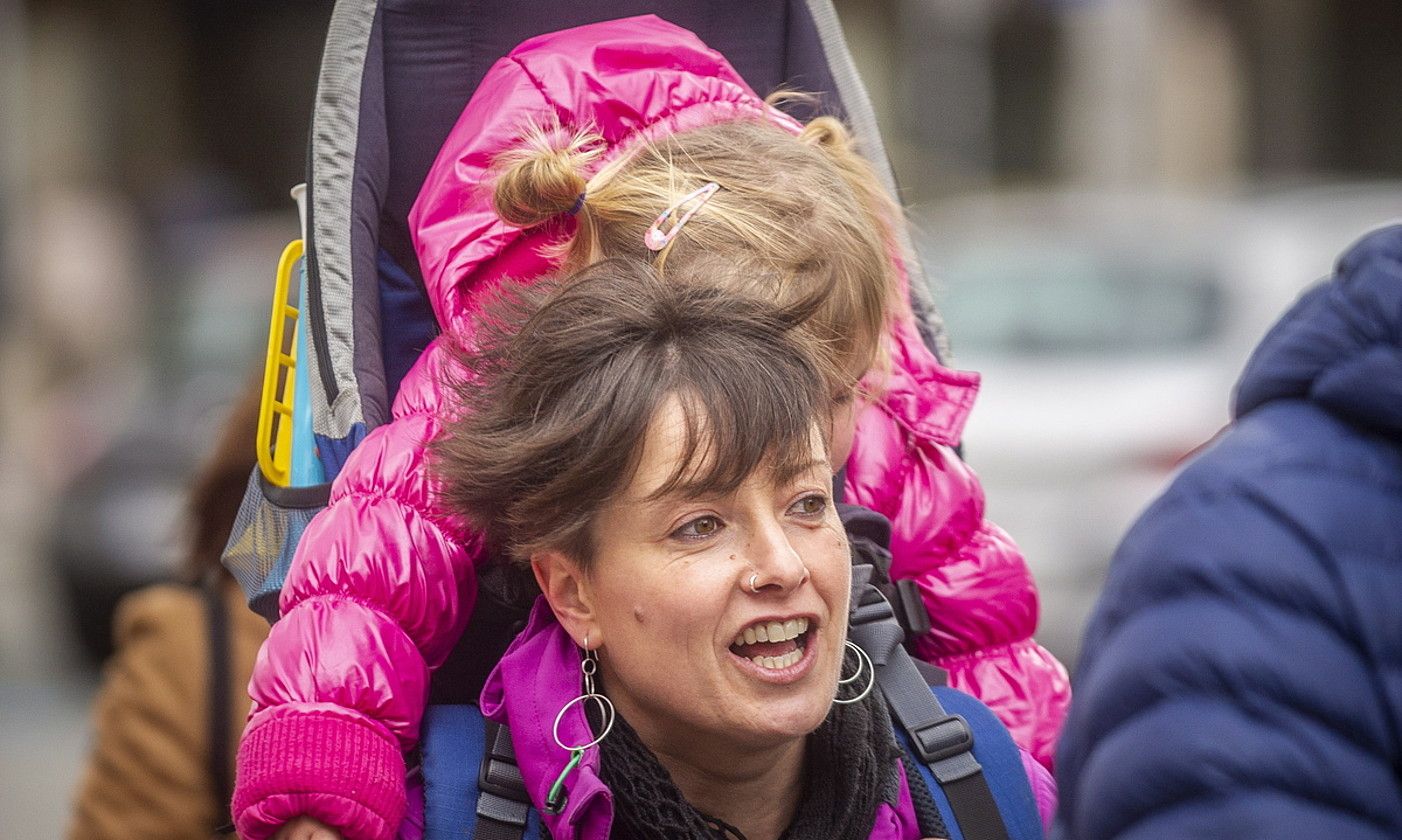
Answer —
588 666
863 664
754 577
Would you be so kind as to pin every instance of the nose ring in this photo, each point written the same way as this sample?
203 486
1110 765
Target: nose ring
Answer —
754 577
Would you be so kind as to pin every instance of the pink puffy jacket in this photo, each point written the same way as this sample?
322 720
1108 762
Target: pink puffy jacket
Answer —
383 579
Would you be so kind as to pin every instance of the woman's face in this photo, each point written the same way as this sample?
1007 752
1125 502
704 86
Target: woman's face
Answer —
690 653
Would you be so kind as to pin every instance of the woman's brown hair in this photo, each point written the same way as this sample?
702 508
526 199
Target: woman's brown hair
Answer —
564 379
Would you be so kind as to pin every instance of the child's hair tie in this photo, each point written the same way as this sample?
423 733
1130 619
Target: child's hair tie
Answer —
578 204
656 239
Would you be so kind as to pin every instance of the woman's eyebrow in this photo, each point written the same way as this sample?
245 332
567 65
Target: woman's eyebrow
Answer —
799 469
698 492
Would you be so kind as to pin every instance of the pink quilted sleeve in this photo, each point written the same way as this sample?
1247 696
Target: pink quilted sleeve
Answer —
379 592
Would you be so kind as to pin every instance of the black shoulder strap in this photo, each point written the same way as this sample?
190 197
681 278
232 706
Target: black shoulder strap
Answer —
503 806
942 741
217 620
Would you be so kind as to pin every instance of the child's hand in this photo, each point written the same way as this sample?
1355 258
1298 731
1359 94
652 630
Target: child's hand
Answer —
306 828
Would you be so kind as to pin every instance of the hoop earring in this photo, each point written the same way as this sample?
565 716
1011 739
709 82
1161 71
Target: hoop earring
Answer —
863 664
588 666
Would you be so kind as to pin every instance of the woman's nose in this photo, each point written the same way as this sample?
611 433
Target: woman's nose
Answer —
777 563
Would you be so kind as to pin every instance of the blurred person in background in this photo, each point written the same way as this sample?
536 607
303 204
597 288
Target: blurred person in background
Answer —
173 700
1242 675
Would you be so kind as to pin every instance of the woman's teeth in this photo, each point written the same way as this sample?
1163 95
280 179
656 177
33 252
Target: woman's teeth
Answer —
772 631
773 645
775 663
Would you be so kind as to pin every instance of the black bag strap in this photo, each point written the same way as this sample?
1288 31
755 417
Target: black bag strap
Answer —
217 725
944 742
503 806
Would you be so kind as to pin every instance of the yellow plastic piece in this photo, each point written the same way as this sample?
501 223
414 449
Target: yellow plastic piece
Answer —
275 413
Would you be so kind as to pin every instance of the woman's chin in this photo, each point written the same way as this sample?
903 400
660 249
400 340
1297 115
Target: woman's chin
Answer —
793 715
787 702
781 724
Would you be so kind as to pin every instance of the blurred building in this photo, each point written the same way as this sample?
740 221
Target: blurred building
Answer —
1188 92
1144 152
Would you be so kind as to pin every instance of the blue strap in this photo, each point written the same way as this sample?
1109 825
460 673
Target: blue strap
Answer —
455 751
1001 762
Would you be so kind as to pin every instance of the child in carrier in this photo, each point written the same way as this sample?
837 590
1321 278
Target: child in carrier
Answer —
628 138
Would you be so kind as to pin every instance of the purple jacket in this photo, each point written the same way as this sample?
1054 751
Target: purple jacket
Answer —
383 580
535 679
539 674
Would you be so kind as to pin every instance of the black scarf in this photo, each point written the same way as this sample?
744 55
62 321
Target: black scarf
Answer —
849 769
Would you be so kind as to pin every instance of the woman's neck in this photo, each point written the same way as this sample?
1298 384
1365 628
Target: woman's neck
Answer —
755 791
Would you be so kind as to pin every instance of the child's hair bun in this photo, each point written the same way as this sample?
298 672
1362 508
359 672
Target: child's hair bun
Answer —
827 133
543 178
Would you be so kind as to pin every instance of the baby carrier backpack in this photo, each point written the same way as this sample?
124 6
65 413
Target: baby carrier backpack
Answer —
395 76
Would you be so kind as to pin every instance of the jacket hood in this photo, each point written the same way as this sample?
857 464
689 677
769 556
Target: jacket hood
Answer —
1340 345
629 80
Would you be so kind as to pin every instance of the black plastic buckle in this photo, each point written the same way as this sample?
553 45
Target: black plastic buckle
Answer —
502 779
502 810
943 738
502 790
910 608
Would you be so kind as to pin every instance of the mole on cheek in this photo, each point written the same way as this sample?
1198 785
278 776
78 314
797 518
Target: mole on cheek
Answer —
638 615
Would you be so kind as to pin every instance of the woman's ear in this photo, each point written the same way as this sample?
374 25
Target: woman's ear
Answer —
566 588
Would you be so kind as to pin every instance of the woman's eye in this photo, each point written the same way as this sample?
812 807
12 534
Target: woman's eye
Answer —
810 506
698 528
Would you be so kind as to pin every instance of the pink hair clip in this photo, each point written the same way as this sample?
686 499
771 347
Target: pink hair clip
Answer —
656 239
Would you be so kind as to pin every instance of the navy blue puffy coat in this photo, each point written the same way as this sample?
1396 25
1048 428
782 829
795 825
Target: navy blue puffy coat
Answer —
1242 675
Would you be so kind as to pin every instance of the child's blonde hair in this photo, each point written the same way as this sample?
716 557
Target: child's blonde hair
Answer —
805 208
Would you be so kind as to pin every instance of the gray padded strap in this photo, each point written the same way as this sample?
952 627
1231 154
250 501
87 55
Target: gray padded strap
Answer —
335 130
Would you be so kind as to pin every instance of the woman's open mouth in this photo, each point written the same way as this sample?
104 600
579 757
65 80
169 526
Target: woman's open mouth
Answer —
773 646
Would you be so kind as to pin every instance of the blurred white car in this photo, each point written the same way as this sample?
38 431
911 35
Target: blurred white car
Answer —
1110 329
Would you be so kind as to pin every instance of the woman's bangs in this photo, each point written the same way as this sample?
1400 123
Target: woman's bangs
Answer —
741 422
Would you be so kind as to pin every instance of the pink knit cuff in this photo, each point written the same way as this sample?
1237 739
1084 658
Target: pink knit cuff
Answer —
346 773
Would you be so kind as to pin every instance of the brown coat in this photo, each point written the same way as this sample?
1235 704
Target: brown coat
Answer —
148 776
